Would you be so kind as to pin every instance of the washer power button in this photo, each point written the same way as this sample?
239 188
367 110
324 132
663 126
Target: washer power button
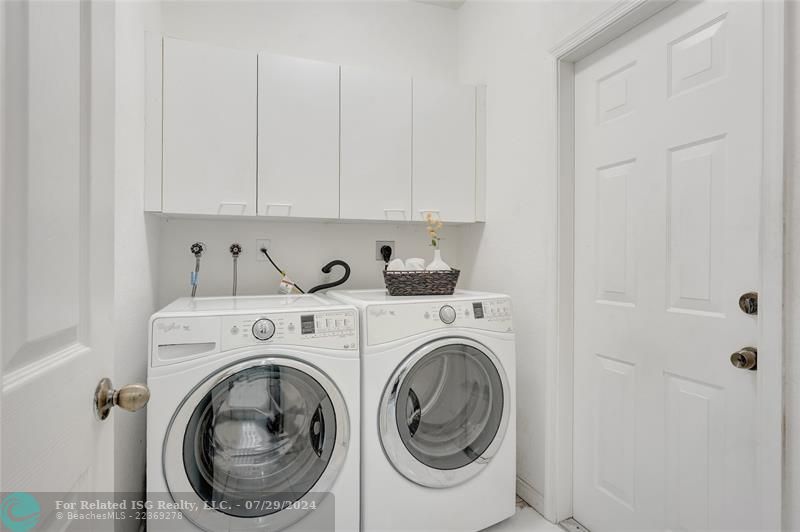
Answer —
447 314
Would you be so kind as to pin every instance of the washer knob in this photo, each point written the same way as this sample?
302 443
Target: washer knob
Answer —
263 329
447 314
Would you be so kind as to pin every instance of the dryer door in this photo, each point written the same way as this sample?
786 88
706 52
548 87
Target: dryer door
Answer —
444 412
257 445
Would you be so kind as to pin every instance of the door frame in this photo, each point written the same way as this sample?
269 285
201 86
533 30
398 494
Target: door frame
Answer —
614 22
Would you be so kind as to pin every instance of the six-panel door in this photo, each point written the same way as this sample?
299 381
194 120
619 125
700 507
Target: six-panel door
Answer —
57 266
667 168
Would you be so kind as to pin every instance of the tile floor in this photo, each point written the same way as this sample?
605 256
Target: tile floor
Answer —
526 519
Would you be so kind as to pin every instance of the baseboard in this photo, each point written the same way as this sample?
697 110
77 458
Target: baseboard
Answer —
530 495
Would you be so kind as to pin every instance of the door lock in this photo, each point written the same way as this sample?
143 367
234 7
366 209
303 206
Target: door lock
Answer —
745 358
132 397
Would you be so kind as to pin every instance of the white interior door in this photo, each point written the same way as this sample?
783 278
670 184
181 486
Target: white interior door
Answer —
57 246
667 164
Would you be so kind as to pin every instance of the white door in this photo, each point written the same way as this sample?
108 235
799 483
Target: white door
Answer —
444 151
57 247
298 137
209 157
667 162
376 145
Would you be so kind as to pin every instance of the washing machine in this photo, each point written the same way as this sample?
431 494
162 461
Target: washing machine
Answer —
253 420
438 440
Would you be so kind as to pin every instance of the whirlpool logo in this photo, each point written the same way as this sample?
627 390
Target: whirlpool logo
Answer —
19 512
172 326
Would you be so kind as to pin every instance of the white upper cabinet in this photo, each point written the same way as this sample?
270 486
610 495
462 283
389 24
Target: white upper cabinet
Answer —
231 132
375 145
298 137
444 179
209 129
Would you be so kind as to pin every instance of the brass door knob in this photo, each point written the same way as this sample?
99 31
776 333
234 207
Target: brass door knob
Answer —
748 303
132 397
745 358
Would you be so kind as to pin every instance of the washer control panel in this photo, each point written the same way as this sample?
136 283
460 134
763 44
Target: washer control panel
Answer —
334 329
392 322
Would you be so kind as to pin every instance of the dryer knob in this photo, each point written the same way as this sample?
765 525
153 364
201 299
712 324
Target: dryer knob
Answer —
447 314
263 329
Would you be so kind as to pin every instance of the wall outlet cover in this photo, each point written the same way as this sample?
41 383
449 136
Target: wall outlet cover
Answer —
379 244
262 243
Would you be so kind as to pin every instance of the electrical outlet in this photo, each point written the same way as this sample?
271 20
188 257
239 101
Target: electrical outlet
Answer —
262 243
379 244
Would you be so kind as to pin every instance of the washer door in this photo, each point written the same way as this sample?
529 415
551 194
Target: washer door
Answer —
256 445
444 412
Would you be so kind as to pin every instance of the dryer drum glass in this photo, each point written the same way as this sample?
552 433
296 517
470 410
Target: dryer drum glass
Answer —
264 434
453 407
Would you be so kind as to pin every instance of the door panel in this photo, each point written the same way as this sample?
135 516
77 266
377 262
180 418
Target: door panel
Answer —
298 137
668 144
376 146
57 242
209 164
444 151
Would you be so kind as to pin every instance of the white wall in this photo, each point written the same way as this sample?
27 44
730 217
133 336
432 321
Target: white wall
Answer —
505 45
791 496
299 248
135 243
398 36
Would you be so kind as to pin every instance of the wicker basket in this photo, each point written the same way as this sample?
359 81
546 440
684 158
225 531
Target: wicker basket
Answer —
421 283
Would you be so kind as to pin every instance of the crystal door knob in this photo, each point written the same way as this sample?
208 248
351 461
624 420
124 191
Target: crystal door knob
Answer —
745 358
132 397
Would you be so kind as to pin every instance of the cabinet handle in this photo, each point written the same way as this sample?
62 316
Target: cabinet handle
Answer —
423 212
387 212
226 204
287 206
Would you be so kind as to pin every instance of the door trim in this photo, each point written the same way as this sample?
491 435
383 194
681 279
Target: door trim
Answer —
616 21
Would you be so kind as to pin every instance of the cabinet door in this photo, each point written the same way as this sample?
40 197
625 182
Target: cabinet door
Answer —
298 137
444 151
209 164
375 146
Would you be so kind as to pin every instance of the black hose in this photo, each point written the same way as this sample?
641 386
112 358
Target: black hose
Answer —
327 269
283 273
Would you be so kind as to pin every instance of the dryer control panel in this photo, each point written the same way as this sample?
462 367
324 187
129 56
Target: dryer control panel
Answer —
386 323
